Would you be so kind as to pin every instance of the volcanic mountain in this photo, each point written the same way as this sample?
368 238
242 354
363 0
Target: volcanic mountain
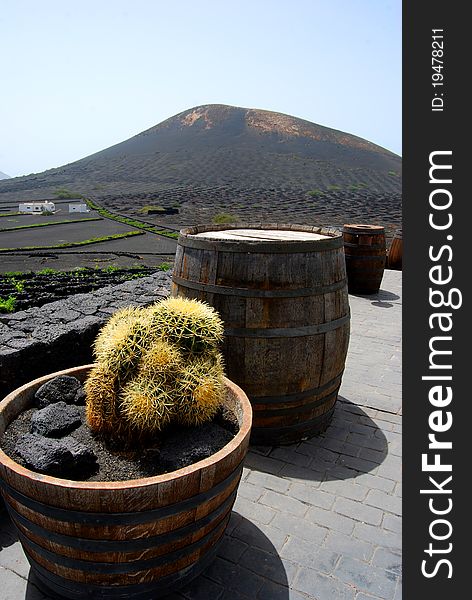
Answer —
215 156
4 175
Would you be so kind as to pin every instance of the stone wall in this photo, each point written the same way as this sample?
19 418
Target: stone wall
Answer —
59 335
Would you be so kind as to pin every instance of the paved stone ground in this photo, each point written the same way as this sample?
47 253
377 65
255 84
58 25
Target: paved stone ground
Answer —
320 520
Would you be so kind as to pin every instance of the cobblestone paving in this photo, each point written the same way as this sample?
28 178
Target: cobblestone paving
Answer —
320 520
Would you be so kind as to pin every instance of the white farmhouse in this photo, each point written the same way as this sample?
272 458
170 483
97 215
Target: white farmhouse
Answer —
79 207
36 207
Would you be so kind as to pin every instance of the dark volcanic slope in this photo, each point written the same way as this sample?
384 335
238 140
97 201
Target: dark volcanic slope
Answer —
224 141
254 164
216 145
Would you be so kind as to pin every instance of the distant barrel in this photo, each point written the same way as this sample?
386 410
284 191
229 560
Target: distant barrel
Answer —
395 253
365 252
281 291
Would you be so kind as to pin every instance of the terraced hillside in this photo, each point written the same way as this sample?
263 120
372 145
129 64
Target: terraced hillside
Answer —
252 163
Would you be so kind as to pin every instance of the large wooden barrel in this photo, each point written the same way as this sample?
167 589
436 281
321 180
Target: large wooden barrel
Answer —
395 253
136 539
365 252
281 291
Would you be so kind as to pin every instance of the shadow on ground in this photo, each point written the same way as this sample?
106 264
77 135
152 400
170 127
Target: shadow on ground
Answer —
32 590
382 298
381 304
353 444
386 295
380 295
7 531
247 564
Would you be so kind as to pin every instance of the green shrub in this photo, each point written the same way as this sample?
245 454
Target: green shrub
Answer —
222 218
18 285
47 271
63 194
145 209
7 305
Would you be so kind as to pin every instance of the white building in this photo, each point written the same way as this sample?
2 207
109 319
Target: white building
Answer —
78 207
36 207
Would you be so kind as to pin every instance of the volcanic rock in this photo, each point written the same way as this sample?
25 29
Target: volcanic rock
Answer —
85 460
66 458
62 388
55 420
44 455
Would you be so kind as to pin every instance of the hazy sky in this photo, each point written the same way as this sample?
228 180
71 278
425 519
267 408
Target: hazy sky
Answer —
77 76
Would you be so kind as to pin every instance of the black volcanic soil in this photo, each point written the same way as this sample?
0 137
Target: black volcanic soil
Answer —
36 289
58 234
71 259
173 449
316 207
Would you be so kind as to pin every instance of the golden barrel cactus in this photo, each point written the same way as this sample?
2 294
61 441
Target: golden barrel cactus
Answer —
156 366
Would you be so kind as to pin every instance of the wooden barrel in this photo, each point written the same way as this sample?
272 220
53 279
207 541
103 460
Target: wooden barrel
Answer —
395 253
281 291
365 252
136 539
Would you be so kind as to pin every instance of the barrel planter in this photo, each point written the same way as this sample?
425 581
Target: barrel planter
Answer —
281 291
395 253
365 252
137 539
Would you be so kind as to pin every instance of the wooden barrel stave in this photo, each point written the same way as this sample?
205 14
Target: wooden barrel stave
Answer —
286 317
124 550
143 535
395 253
121 575
86 565
57 588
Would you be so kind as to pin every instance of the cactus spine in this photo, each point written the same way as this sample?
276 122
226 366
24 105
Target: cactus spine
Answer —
199 390
155 366
101 392
192 325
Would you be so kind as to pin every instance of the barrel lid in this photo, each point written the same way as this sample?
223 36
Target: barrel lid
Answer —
261 238
262 235
363 228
